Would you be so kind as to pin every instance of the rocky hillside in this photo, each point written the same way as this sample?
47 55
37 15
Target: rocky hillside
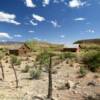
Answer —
93 41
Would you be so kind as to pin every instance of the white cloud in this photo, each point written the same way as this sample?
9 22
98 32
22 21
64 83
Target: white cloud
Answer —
55 1
31 31
17 35
62 36
88 4
55 24
90 31
76 3
38 18
58 1
79 19
4 40
30 4
36 38
33 23
8 18
88 23
5 35
46 2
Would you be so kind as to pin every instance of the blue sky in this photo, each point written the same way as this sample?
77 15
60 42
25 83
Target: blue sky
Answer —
57 21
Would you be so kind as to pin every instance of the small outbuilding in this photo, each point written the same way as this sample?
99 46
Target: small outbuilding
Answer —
69 50
18 49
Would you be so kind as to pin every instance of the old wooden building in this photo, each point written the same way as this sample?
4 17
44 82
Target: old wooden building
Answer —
18 49
69 50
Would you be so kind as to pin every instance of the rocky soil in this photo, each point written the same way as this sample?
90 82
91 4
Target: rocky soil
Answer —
67 85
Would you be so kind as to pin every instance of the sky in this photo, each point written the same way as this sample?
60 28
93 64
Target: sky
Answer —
55 21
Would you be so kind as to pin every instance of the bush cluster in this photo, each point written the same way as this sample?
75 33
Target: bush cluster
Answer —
66 55
15 60
43 59
91 59
35 73
82 71
26 69
88 47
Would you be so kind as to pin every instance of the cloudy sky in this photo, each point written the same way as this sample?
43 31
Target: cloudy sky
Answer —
57 21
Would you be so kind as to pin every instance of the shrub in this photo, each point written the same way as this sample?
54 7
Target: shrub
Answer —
66 55
90 46
35 73
82 71
15 60
26 69
1 55
18 62
91 59
43 59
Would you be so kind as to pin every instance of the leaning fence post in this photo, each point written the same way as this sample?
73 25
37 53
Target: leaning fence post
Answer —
50 79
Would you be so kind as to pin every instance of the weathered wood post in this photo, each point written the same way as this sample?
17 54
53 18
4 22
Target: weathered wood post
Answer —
13 62
16 79
1 56
50 79
2 71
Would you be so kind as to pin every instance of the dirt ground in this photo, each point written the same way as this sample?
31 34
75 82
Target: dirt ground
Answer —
35 89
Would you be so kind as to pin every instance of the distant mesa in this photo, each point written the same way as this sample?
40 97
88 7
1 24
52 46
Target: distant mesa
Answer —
92 41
